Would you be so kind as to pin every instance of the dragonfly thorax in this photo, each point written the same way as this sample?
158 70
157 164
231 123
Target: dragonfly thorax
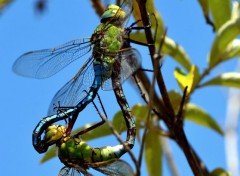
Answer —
113 14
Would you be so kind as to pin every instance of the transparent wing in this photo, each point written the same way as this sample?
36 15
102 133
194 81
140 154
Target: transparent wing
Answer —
127 62
74 90
127 6
117 168
67 171
47 62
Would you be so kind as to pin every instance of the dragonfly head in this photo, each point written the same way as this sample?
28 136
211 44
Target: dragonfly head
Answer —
54 133
113 12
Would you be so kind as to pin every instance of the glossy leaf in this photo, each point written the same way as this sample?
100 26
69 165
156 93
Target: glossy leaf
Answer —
230 79
153 153
199 116
219 172
51 153
177 52
190 80
221 12
235 10
233 49
222 42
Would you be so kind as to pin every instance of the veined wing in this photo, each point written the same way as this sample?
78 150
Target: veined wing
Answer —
117 168
127 6
68 171
127 62
47 62
74 90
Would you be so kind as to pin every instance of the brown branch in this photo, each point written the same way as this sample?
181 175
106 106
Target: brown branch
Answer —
177 130
98 6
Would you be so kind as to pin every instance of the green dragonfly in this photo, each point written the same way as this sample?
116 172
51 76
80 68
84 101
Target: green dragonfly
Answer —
78 156
107 58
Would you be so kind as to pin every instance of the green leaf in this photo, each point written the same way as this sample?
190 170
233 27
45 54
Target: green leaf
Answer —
233 49
199 116
219 172
222 42
140 113
221 12
191 79
235 10
175 99
230 79
205 7
176 52
51 153
153 153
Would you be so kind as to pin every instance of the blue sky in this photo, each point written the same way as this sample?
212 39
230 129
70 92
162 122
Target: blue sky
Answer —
25 101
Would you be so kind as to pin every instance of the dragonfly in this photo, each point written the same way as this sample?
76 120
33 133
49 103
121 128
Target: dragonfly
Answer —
78 156
107 54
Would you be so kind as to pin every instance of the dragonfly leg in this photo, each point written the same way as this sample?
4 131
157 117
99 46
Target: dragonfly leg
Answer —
121 99
133 27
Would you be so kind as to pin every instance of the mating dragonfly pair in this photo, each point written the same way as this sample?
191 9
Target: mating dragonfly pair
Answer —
108 67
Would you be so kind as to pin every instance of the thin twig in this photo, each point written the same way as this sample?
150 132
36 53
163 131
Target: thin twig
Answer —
195 163
150 104
98 6
179 118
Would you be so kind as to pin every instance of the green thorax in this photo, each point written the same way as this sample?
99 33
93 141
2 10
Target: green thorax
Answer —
107 40
74 153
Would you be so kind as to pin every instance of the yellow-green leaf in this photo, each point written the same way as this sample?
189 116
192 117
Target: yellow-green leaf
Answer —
233 49
175 99
219 172
199 116
221 12
190 80
205 7
140 113
153 153
51 153
177 52
235 10
226 34
230 79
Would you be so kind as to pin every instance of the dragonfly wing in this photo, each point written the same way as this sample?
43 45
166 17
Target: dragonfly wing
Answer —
67 171
127 6
74 90
117 168
128 62
47 62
